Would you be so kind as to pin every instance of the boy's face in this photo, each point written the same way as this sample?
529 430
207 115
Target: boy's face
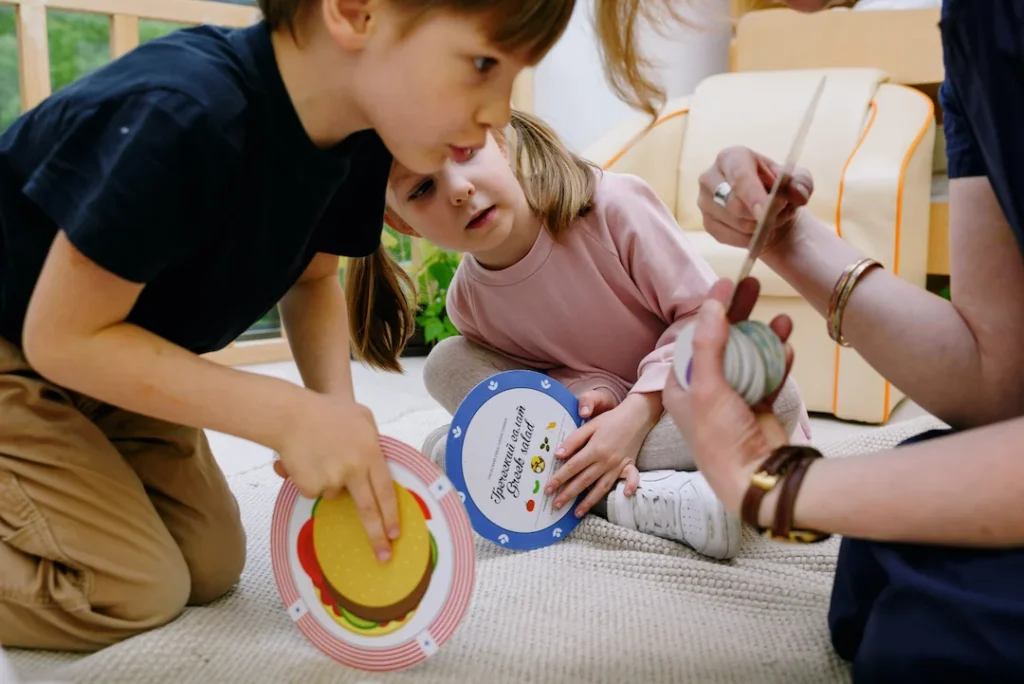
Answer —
435 89
467 206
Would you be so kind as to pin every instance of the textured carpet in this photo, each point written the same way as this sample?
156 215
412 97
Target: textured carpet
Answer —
605 605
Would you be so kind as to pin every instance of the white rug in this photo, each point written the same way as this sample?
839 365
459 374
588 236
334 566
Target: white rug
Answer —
605 605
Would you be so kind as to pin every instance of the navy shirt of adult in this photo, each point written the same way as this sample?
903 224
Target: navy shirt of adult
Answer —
982 98
183 165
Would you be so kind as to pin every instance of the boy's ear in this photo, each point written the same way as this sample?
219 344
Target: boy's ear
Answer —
397 224
350 22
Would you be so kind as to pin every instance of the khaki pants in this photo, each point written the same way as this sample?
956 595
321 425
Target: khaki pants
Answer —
456 365
110 522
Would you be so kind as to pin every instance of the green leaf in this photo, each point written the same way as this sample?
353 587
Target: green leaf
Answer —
450 327
442 274
433 330
434 309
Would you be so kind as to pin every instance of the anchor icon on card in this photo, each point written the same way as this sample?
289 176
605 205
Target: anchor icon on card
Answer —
557 533
457 432
545 383
492 385
503 538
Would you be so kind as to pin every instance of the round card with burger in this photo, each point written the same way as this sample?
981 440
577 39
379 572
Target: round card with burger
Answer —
366 614
500 456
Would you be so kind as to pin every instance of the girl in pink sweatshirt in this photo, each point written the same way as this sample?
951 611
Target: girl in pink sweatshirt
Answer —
584 275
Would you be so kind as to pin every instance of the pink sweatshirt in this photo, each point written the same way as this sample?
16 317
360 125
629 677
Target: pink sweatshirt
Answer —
600 308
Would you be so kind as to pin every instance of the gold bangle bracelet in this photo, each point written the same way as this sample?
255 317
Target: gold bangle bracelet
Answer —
842 296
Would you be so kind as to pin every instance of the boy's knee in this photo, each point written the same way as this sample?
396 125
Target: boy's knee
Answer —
146 594
216 561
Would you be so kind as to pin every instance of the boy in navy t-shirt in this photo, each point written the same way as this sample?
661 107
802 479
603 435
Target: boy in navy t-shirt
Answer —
151 212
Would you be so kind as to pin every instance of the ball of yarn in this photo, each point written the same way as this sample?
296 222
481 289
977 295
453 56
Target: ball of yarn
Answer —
754 364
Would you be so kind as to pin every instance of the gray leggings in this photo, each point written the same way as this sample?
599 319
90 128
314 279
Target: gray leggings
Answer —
455 366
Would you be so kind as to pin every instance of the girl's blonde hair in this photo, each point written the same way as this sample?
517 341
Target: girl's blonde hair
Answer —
558 183
559 187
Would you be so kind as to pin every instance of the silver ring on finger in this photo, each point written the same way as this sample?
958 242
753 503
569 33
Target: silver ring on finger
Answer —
721 193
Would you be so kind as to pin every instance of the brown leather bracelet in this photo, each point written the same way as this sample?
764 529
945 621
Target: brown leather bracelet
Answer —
786 504
764 480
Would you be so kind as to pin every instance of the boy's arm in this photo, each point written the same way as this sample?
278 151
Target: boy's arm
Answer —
75 335
315 318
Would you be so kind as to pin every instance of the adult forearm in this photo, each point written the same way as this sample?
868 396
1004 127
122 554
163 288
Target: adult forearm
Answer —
127 366
961 490
914 338
315 319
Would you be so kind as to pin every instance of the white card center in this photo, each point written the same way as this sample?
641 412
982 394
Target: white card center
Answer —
508 457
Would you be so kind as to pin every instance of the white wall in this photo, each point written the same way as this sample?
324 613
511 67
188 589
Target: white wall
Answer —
570 90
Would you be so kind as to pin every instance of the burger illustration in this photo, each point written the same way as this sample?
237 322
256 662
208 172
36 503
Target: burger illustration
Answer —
359 592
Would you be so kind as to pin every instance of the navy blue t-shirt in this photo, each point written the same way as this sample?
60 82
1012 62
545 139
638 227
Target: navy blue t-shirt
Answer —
982 98
183 165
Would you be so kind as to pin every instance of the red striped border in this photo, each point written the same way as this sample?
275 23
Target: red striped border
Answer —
445 623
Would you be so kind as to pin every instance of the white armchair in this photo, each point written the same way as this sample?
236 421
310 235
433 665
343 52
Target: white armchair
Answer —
869 150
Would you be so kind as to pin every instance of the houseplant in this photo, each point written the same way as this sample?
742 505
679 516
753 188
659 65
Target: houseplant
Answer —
433 277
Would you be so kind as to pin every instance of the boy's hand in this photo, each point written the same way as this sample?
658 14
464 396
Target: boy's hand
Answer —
602 451
335 446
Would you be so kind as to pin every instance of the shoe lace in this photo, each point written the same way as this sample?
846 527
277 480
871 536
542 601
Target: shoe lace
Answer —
656 513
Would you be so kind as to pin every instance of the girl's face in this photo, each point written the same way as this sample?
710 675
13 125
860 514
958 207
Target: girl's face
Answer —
435 90
467 206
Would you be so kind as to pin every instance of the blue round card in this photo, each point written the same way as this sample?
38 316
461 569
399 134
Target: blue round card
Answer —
500 456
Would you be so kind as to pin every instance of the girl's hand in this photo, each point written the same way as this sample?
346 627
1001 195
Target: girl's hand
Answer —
595 402
751 176
602 451
729 439
337 447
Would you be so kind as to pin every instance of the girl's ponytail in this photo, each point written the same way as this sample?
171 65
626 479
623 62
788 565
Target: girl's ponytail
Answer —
558 184
380 313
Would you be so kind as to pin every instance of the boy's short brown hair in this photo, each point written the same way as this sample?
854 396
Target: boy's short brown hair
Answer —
514 24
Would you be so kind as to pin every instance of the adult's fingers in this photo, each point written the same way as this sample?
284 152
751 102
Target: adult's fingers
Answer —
801 187
782 326
745 299
739 166
801 184
709 351
368 510
735 212
384 491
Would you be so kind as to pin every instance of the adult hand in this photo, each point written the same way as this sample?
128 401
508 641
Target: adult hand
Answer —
751 176
729 439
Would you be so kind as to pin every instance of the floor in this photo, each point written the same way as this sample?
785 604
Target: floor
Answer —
393 397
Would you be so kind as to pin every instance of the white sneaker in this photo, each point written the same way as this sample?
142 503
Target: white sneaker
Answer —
679 506
434 445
